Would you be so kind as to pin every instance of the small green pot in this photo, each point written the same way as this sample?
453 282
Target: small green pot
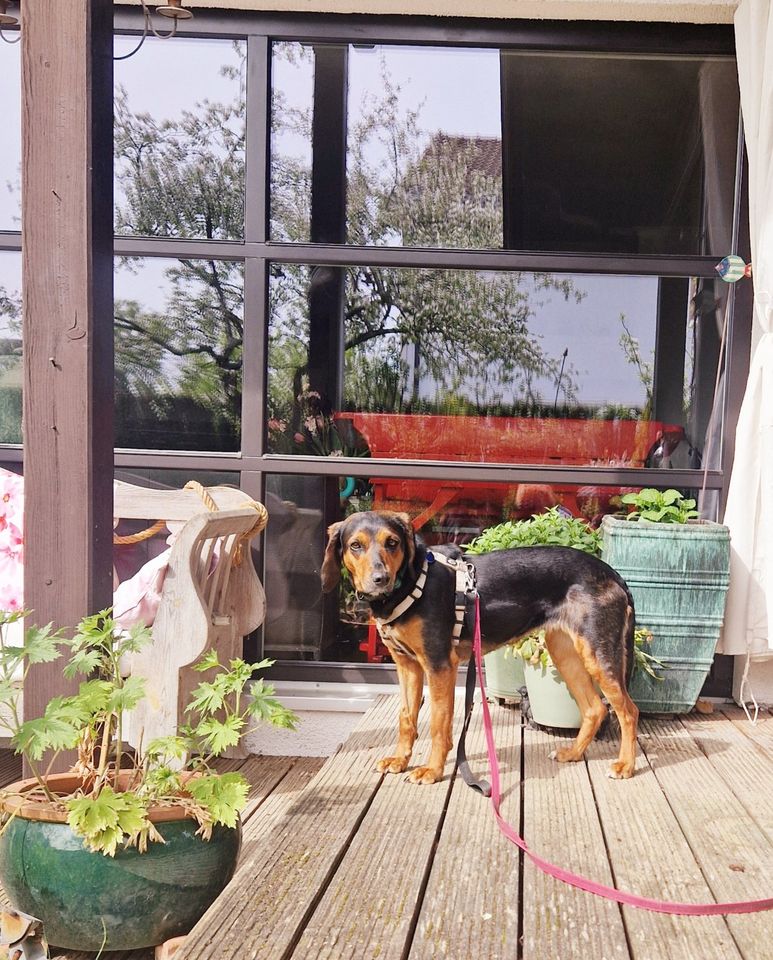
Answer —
504 674
88 901
551 703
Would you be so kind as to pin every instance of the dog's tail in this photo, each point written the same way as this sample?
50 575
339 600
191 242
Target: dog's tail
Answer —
628 632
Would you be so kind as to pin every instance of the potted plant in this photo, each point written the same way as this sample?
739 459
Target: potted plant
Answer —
550 702
129 848
505 674
678 571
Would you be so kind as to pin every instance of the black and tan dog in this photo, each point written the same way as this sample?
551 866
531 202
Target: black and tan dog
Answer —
584 606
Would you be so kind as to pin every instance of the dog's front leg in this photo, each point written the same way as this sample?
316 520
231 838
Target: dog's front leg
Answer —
441 702
411 677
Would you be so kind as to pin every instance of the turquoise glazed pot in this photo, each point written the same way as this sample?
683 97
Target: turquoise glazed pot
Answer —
133 900
678 574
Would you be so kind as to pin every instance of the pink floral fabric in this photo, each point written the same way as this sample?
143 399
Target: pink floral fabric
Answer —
11 541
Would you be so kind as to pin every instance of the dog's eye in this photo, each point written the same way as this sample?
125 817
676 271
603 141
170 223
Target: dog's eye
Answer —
355 546
392 544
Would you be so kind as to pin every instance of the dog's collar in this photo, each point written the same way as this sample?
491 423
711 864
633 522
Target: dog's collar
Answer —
406 602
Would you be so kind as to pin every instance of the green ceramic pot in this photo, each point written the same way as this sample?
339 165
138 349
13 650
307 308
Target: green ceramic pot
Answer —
551 703
127 902
504 674
678 574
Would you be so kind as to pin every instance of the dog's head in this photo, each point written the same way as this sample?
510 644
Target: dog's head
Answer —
374 547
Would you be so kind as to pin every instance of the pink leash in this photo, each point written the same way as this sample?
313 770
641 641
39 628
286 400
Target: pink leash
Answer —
599 889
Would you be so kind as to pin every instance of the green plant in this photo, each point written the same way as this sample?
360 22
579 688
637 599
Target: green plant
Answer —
117 786
659 506
551 528
533 650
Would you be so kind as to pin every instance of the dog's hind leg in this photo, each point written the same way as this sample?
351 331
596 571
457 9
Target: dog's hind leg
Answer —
628 716
611 681
411 677
575 674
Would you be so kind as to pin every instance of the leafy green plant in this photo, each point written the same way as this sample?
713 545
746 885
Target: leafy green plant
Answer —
659 506
533 650
551 528
116 786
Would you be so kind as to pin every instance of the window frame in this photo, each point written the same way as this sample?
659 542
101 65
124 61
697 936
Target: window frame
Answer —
257 252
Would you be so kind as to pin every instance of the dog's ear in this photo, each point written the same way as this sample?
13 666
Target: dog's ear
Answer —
331 565
409 535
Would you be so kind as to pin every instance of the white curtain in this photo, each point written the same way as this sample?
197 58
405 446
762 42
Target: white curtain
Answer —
749 513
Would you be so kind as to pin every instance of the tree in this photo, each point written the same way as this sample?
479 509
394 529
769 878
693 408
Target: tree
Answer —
408 333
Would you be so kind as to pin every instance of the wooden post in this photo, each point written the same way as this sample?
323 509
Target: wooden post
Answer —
67 213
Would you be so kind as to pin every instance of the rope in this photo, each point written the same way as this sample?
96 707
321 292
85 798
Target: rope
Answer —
157 527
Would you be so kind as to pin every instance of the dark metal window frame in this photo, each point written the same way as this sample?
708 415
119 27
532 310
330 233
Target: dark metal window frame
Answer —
257 252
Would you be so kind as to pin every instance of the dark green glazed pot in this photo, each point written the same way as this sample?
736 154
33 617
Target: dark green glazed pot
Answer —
126 902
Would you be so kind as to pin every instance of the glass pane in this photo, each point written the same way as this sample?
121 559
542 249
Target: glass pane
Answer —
11 371
10 142
178 354
303 624
619 154
423 153
179 138
536 368
292 94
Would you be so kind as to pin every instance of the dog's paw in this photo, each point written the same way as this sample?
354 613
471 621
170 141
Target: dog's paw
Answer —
620 770
425 775
565 755
392 765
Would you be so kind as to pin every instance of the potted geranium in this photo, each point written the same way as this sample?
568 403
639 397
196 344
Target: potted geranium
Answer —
130 847
678 570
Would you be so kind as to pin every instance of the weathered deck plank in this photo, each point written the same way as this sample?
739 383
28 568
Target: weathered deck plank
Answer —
263 914
470 908
650 856
742 762
368 909
561 823
735 855
761 731
262 819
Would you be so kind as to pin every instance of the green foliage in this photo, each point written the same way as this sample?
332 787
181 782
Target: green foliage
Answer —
109 809
660 507
551 528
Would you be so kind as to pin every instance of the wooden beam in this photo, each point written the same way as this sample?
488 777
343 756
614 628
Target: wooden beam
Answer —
67 209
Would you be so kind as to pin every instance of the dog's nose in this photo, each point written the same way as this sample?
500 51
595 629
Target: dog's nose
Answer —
378 578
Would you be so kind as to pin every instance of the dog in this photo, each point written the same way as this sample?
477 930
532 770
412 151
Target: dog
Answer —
583 605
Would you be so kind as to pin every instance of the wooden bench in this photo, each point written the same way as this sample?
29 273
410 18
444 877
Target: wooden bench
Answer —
211 596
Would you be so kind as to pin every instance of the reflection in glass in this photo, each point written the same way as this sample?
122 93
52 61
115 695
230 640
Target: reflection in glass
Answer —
302 624
11 371
179 138
503 367
178 354
423 152
619 154
292 93
10 142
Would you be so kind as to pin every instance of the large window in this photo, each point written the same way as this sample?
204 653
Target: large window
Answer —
466 272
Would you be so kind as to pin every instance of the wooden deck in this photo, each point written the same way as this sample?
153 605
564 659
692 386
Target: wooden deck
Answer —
351 864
